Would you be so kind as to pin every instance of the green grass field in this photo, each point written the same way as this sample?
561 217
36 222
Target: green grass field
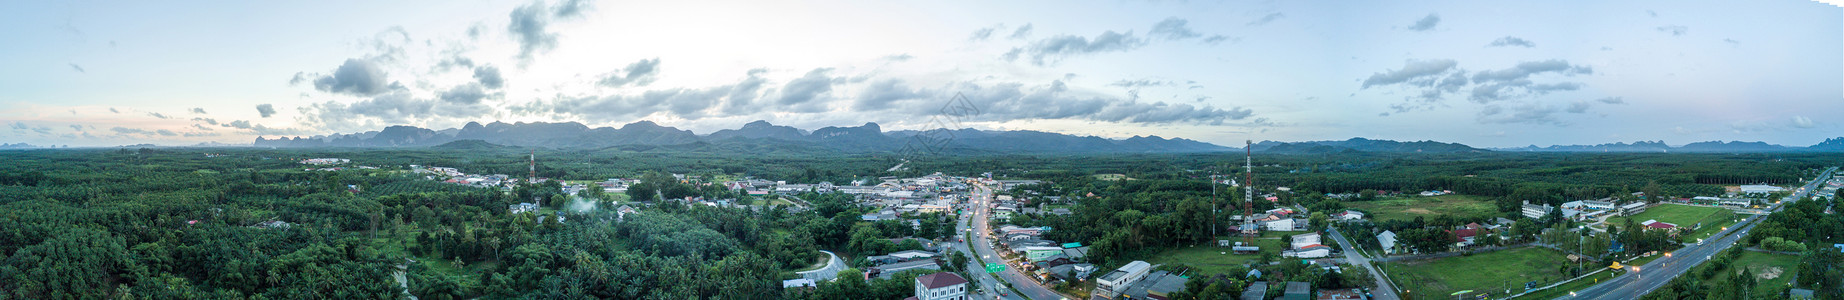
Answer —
1216 260
1488 272
1712 218
1771 271
1407 208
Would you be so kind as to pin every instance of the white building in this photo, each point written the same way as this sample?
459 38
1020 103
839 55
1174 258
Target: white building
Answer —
1284 224
1303 240
1760 189
1387 239
1112 284
940 286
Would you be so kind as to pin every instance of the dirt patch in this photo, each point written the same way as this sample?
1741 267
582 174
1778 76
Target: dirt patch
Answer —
1770 273
1420 211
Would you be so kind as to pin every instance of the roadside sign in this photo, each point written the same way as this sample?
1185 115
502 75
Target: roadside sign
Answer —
994 268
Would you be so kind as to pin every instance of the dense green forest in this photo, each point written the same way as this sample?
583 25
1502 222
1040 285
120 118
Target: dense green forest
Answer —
189 223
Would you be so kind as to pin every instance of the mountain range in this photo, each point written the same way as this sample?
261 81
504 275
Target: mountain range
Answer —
863 138
870 137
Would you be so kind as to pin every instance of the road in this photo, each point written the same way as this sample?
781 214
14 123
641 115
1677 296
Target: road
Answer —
980 203
1384 290
1656 274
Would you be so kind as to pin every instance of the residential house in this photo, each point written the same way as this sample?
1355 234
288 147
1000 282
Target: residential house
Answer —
1256 291
1283 224
522 207
1072 272
1387 239
1466 237
1342 294
940 286
1348 215
798 283
1309 251
1298 291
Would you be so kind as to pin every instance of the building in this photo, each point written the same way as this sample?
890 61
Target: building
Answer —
1309 251
1387 239
1283 224
1348 215
1590 205
1115 282
1344 294
1536 211
1799 294
1302 240
1256 291
902 256
887 270
1633 208
1655 224
1298 291
522 207
940 286
1466 236
1157 285
1760 189
798 283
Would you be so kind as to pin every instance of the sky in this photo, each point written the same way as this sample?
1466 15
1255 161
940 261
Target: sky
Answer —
1496 74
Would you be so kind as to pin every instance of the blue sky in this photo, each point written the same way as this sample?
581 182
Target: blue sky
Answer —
1485 74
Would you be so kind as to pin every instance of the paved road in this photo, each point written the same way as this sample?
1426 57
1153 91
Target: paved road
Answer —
1384 290
1659 272
981 204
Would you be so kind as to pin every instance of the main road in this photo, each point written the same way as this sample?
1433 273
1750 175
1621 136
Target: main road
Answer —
1384 290
1656 274
979 239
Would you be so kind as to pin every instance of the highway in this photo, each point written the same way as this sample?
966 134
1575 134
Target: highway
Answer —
1659 272
1384 290
981 204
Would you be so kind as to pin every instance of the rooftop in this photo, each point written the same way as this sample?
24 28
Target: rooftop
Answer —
940 280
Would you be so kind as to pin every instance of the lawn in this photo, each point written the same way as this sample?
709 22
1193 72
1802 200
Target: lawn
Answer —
1488 272
1771 271
1712 218
1407 208
1217 260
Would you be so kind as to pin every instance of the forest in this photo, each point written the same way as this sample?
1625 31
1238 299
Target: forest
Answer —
246 223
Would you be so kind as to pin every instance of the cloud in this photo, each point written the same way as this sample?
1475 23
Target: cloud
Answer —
1049 50
158 115
1732 41
806 88
1802 122
356 77
42 130
900 57
265 109
1654 14
1521 114
1411 70
572 8
76 127
489 77
1141 83
984 33
112 109
1579 107
468 94
206 120
1426 23
198 110
202 127
1512 41
639 73
529 25
165 132
1217 39
1525 69
78 68
260 129
1611 100
1173 28
1022 32
124 130
880 95
1674 30
1264 20
393 108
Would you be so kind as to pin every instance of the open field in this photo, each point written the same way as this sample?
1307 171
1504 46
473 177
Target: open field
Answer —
1712 219
1407 208
1489 272
1771 272
1216 260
